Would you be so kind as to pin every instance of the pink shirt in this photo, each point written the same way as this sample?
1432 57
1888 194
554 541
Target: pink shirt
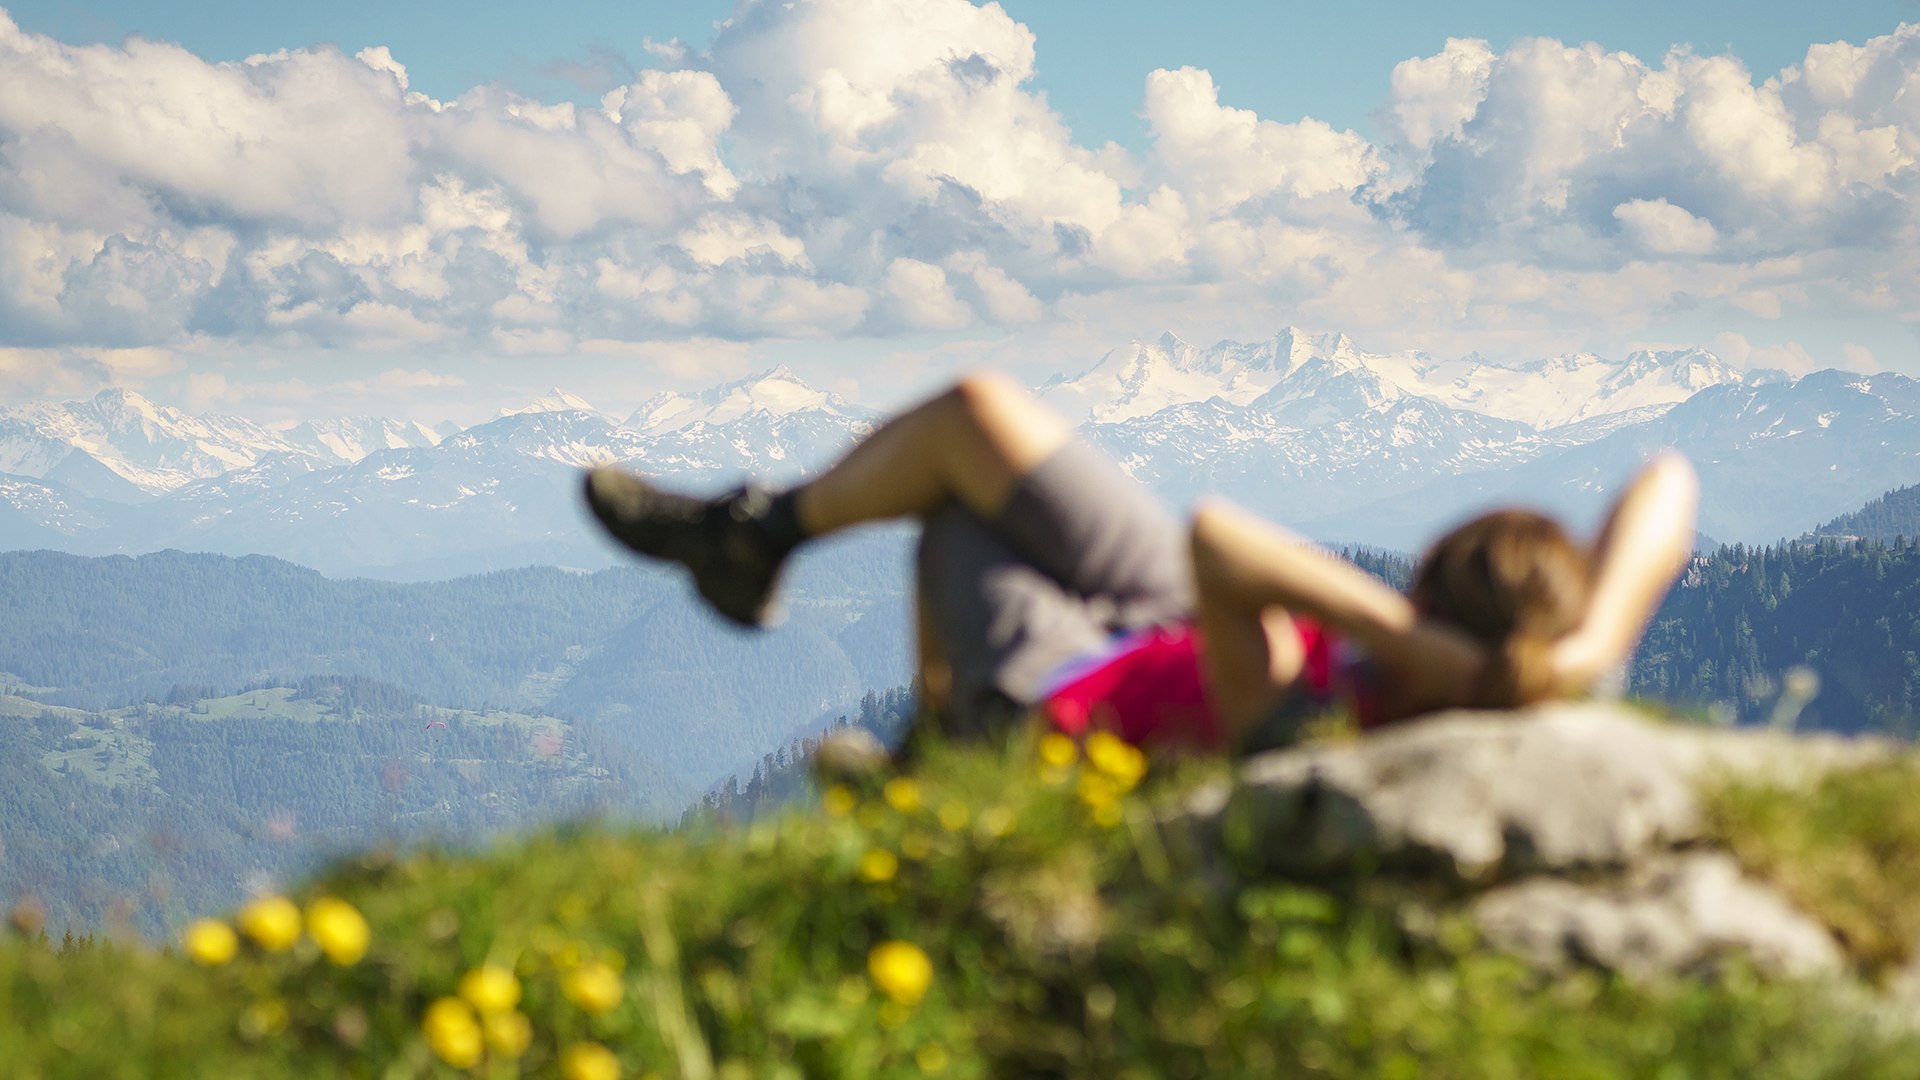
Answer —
1149 687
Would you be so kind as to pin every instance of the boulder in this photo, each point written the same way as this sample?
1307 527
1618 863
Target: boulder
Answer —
1474 798
1677 914
1571 834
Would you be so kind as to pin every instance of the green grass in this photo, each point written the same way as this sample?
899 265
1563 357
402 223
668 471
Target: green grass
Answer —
1063 941
1846 849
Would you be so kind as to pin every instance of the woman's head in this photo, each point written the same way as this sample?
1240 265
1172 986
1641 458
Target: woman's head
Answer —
1514 580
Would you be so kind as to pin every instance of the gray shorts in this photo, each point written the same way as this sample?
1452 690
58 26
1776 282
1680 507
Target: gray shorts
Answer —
1080 553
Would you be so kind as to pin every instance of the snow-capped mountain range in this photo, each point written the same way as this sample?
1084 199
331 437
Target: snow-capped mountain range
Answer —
1345 444
1142 378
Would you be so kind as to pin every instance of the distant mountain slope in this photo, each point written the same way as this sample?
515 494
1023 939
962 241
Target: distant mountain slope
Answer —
627 648
1895 514
147 812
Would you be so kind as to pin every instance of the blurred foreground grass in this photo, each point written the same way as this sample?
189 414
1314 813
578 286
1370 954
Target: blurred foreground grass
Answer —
1000 914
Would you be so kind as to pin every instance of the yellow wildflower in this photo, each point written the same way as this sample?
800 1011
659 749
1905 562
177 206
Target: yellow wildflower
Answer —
878 865
339 929
903 794
1057 750
453 1032
838 800
589 1061
272 922
1121 761
594 987
490 988
932 1058
901 970
954 816
508 1033
210 942
1096 790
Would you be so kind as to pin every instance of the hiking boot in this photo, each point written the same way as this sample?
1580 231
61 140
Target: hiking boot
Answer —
735 562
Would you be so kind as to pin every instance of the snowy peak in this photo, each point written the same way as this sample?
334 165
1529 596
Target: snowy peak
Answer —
554 400
350 438
775 393
1142 378
155 447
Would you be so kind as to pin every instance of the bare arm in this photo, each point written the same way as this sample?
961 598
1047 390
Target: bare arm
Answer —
1644 545
1245 568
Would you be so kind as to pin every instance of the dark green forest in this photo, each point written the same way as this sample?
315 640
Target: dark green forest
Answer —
1893 516
785 775
145 814
1742 619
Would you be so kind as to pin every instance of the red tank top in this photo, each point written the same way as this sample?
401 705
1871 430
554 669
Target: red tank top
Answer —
1149 687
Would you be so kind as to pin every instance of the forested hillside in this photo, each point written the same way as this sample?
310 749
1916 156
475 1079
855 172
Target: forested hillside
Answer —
1743 618
783 776
627 648
1887 518
144 814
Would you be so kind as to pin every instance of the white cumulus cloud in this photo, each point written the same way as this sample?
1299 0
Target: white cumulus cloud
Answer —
879 167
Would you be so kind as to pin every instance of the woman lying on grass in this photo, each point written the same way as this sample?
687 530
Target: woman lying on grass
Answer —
1049 581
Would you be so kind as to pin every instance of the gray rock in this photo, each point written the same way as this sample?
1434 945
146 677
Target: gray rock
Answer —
1480 797
1470 796
1682 914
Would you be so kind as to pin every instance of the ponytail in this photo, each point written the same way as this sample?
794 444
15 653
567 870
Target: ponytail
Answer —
1520 672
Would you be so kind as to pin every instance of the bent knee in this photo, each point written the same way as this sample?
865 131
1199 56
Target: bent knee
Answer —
984 394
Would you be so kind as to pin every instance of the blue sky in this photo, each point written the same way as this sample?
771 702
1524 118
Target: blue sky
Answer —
433 204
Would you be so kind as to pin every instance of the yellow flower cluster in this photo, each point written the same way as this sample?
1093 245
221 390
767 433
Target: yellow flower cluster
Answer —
589 1061
453 1032
273 923
878 865
594 988
339 929
1116 767
901 970
903 794
490 988
1116 759
210 942
483 1017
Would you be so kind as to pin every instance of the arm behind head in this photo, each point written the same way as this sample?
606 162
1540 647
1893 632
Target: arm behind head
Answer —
1646 542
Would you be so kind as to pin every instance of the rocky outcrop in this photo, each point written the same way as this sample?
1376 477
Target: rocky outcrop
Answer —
1674 914
1573 834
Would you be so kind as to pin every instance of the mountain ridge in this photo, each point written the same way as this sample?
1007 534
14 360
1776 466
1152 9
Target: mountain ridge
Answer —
1344 444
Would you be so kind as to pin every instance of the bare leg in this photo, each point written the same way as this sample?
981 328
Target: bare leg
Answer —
970 444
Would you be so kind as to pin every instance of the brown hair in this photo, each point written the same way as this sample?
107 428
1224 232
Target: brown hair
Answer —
1516 581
